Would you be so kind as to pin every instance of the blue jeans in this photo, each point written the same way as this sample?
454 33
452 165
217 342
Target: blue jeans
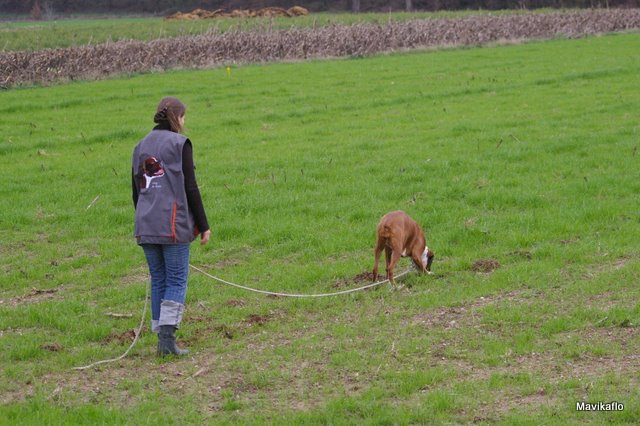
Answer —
169 270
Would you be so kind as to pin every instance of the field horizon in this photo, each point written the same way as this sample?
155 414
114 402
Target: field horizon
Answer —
267 41
519 161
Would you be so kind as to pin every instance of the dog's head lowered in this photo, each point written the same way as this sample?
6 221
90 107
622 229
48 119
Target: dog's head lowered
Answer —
427 259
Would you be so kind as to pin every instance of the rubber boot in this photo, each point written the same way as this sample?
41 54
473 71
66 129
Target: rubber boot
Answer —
167 341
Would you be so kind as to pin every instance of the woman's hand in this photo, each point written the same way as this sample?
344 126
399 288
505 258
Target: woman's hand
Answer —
204 237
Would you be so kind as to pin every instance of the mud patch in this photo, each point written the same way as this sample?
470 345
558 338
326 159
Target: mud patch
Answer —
255 319
120 338
224 331
365 277
270 12
36 295
441 318
52 347
485 265
207 334
36 292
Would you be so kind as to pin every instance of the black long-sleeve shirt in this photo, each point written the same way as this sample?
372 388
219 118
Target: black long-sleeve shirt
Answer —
194 198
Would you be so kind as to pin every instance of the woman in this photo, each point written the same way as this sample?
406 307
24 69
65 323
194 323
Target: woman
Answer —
169 216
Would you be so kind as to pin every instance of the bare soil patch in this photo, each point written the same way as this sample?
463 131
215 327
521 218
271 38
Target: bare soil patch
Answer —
35 295
626 337
270 12
365 277
586 367
210 377
459 316
225 263
245 47
139 277
607 300
612 265
126 336
554 366
442 318
508 401
52 347
485 265
208 333
255 319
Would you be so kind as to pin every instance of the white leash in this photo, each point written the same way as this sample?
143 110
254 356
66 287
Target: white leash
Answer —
292 294
135 340
146 302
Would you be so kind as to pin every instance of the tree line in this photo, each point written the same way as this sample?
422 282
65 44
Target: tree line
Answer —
56 7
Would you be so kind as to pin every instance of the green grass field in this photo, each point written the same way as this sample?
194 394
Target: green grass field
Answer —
526 155
37 35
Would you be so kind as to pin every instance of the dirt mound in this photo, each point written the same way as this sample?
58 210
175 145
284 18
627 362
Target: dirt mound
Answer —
365 277
298 11
485 265
53 347
124 337
257 319
35 295
270 12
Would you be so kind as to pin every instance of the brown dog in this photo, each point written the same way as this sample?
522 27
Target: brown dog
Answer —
401 236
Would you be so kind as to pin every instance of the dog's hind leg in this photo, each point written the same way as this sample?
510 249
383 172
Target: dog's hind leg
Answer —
387 258
378 250
395 257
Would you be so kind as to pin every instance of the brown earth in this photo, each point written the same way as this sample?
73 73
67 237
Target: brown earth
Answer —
485 265
124 337
365 277
270 12
244 47
52 347
36 295
208 376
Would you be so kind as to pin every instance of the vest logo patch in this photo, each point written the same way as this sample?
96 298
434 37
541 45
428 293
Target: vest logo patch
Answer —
151 169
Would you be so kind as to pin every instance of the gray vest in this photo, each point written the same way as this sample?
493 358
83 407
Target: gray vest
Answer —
162 212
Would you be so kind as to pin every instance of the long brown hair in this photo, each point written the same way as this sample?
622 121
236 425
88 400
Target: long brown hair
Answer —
169 111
